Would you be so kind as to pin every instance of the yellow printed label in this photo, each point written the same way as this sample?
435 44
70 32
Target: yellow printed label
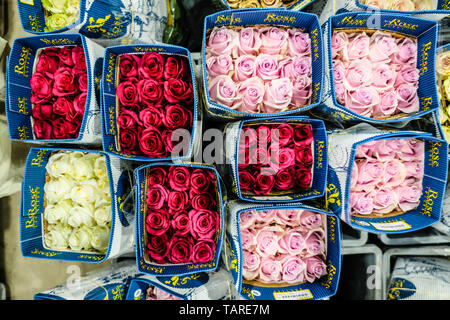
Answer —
399 24
424 58
315 45
331 273
427 207
34 23
349 21
272 17
111 63
23 66
433 157
319 160
227 19
39 159
179 281
31 221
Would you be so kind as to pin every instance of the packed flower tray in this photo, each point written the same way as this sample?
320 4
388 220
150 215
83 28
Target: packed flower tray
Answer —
380 67
386 181
51 95
74 206
404 6
261 63
443 85
293 5
180 218
282 252
281 159
150 107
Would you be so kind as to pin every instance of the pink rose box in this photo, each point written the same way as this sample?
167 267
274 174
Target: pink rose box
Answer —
180 218
386 181
34 90
282 252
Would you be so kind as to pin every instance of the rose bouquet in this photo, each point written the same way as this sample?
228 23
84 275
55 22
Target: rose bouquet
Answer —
51 92
150 103
282 252
401 5
182 218
443 84
289 4
74 206
255 67
386 181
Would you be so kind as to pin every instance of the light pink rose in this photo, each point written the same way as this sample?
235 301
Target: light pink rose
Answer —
388 104
265 217
407 52
297 66
408 100
366 150
394 173
409 75
267 240
382 150
273 40
270 270
221 41
341 93
358 73
251 262
249 41
382 47
383 77
287 217
315 268
370 173
223 90
299 43
292 242
339 71
293 269
266 67
252 92
311 220
219 65
301 91
361 203
358 46
362 101
315 242
412 150
278 95
248 239
354 177
244 68
246 219
384 200
414 169
339 45
408 197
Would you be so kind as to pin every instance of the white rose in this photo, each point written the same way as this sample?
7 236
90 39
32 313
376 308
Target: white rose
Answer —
57 236
80 216
102 215
84 194
58 212
58 189
100 169
80 239
72 7
58 164
82 168
101 190
100 238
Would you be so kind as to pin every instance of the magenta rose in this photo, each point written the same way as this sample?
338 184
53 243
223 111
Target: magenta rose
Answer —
219 65
127 119
150 92
79 60
200 180
157 247
47 65
157 175
315 268
283 134
157 195
246 180
285 179
292 269
249 41
157 222
83 82
129 64
244 68
41 86
204 223
151 66
174 68
282 158
42 129
63 129
251 262
203 251
303 178
79 104
176 91
65 82
151 116
222 41
65 56
180 249
264 184
303 135
176 116
128 93
151 143
43 111
273 40
180 223
179 178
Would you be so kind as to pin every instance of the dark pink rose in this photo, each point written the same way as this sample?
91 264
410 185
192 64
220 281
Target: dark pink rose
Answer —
157 222
151 66
42 129
303 178
65 82
285 179
151 116
200 180
174 68
65 56
179 178
128 141
82 82
303 135
129 64
178 200
63 129
157 175
246 180
157 195
150 92
203 201
283 134
79 60
42 111
151 143
79 104
128 93
176 90
157 247
180 249
47 65
203 251
180 223
41 86
264 184
127 119
204 223
176 116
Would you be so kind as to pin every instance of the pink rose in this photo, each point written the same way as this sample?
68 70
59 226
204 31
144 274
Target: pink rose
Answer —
412 150
266 67
79 60
414 169
408 100
157 247
200 180
219 65
382 47
43 111
382 150
366 150
252 92
384 200
383 78
47 65
180 249
203 201
361 203
299 43
301 91
293 269
204 223
251 262
409 75
180 223
294 67
273 40
264 217
203 251
248 240
244 68
338 71
157 175
287 217
387 106
270 270
341 93
157 222
264 184
282 158
358 74
354 177
408 197
246 219
339 45
222 41
150 142
362 101
179 178
358 46
315 268
394 173
292 242
407 52
310 220
267 240
315 241
157 195
249 41
223 90
246 180
370 173
174 67
278 95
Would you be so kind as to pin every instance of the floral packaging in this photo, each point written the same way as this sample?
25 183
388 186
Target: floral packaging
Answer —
109 283
51 94
293 5
216 285
443 85
261 63
379 66
282 252
76 206
281 159
106 22
386 181
180 218
150 109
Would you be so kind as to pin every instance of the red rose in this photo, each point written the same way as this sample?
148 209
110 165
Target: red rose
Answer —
65 57
51 52
82 82
174 68
204 223
79 104
203 201
47 65
178 200
179 178
151 66
150 142
303 135
79 60
157 175
176 91
180 223
42 129
180 249
127 119
176 116
157 247
62 106
42 111
127 92
157 222
303 178
200 180
246 180
157 195
65 82
129 64
151 116
128 141
285 179
150 92
41 86
203 251
306 156
264 183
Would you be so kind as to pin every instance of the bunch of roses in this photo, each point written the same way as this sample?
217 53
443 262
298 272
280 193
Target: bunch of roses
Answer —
156 97
400 5
78 202
387 176
283 245
238 4
182 215
259 69
155 293
275 157
60 13
443 78
59 89
375 76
